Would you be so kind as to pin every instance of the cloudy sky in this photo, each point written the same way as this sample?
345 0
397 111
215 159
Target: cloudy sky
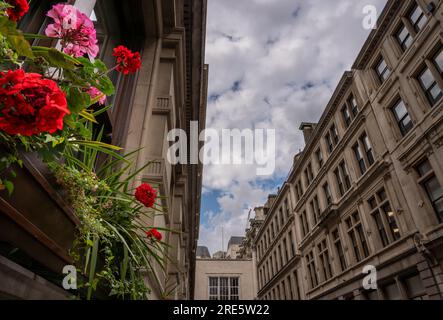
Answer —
273 64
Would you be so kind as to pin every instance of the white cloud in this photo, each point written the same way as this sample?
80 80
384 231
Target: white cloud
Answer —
286 57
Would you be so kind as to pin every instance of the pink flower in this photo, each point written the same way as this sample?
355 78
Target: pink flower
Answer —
94 93
75 29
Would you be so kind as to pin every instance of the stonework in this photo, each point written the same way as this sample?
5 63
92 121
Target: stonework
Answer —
169 92
215 277
367 188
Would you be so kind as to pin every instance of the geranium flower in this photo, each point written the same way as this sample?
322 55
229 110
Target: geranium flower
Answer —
146 195
20 7
30 104
75 29
153 233
127 61
94 93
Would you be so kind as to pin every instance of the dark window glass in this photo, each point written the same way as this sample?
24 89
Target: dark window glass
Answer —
432 186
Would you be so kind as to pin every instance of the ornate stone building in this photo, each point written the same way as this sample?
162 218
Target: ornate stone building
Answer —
168 92
367 188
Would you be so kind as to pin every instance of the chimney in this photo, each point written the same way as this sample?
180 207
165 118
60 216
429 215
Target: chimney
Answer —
307 128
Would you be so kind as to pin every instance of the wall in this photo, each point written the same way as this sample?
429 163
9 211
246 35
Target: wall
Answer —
206 268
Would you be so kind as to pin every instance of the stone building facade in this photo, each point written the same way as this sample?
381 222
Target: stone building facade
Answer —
169 92
367 188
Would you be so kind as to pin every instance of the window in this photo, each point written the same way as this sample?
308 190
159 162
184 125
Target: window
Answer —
310 261
415 289
328 194
282 217
352 103
285 247
304 223
34 20
365 159
357 237
309 174
417 18
325 261
346 116
404 38
291 242
384 218
329 143
332 138
402 117
432 186
272 231
368 148
391 292
299 190
297 286
315 209
224 288
319 156
291 292
342 178
282 262
334 134
349 111
288 210
438 61
430 86
339 249
383 70
359 156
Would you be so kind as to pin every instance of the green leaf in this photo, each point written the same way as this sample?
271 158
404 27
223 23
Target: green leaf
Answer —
56 58
15 37
88 116
106 86
9 186
94 258
78 100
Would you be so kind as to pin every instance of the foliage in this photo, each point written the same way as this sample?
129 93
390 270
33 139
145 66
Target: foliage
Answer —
111 250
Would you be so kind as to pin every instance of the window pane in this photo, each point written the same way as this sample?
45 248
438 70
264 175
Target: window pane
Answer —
381 66
391 292
439 61
424 168
426 79
434 189
400 110
415 288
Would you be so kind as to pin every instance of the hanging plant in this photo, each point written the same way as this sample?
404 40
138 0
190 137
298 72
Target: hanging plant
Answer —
46 100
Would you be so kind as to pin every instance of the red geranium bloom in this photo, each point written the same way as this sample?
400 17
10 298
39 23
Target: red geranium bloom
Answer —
146 195
30 104
20 7
154 233
127 61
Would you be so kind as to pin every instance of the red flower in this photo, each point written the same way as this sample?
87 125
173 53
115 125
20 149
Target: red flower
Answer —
20 7
29 104
154 233
127 61
146 195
